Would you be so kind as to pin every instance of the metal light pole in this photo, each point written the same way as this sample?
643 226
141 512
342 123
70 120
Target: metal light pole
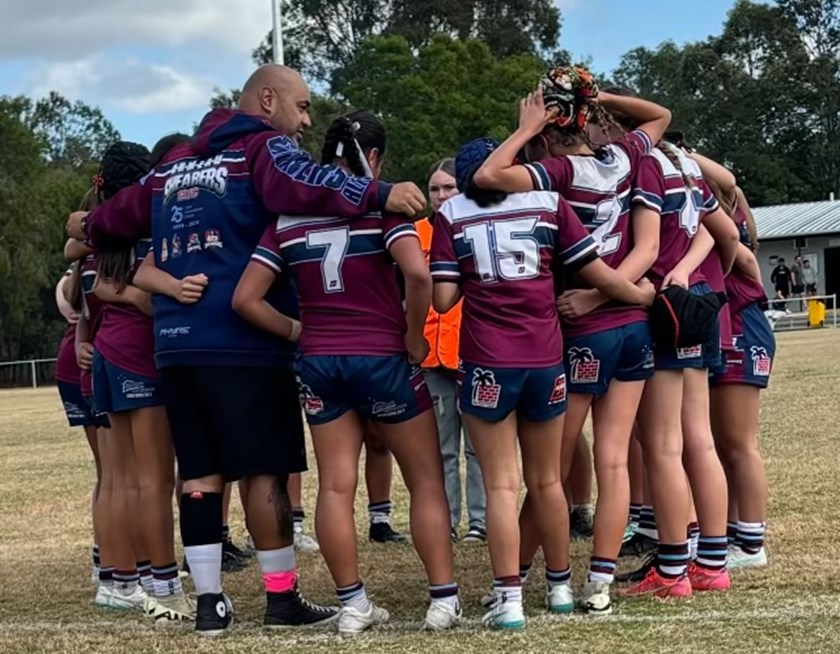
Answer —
277 34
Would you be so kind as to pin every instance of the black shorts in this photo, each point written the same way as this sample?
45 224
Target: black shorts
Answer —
234 421
811 288
798 290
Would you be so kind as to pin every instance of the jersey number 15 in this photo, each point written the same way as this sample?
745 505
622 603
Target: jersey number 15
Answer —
505 249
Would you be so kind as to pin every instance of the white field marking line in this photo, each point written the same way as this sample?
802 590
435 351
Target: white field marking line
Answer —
398 628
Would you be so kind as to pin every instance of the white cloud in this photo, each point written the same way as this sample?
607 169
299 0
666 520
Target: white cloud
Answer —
128 85
58 29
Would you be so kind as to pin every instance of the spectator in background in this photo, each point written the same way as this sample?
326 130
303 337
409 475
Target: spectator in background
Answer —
809 278
797 285
781 279
439 368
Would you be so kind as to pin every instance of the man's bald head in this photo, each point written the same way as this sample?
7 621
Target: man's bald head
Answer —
279 94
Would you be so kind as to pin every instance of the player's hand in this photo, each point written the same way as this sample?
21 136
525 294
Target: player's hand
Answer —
577 302
417 347
406 198
84 356
648 291
74 225
533 116
676 277
192 288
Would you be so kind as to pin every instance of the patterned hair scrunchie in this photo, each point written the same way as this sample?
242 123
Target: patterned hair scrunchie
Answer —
572 91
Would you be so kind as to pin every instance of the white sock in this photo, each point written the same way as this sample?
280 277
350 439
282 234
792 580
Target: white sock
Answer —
205 567
512 593
360 602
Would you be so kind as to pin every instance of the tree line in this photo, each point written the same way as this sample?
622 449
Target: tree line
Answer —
763 96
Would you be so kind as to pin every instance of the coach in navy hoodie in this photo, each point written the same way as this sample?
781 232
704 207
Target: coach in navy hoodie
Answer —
230 388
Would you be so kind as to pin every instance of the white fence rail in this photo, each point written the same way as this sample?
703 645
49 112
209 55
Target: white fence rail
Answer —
31 365
793 313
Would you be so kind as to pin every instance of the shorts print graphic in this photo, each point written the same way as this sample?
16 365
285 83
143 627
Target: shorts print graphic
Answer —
761 361
311 404
751 361
485 391
558 394
584 367
690 352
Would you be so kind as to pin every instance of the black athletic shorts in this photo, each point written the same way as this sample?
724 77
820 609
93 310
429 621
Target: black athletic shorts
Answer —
234 421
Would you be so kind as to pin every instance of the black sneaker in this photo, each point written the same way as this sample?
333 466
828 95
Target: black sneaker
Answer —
580 525
291 609
639 545
229 546
635 576
475 535
214 614
231 562
382 532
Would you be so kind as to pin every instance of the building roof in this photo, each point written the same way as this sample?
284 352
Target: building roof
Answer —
792 220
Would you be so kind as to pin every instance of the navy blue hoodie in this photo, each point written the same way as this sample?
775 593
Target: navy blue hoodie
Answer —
206 206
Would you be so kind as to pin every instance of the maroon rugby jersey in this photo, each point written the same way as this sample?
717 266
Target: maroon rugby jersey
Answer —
347 286
661 187
598 188
126 336
66 367
93 312
503 257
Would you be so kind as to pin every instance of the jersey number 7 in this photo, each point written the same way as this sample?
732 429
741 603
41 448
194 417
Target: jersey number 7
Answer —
333 243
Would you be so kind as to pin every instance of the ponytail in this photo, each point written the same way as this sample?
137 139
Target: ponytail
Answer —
350 137
671 153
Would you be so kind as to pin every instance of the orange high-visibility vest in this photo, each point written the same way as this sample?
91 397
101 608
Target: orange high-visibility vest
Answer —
442 330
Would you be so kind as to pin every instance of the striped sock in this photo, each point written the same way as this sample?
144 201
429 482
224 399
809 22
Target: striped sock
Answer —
144 569
225 533
380 512
635 512
711 552
126 579
672 560
693 539
647 523
95 555
167 581
524 571
558 577
750 536
106 576
731 532
601 569
354 596
509 587
298 516
444 593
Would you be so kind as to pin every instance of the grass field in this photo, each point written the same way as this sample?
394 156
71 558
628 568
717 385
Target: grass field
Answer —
46 601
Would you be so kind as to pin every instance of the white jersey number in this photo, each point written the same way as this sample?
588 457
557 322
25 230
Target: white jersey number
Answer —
690 213
606 217
505 249
336 242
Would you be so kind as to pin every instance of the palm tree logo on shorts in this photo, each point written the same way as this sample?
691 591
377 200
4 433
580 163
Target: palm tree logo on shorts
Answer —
761 361
485 390
584 366
311 403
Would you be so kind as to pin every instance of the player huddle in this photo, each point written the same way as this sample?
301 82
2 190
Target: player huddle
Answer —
600 266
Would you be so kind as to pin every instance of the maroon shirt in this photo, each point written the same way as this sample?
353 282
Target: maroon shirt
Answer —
662 188
741 289
93 312
503 257
346 281
598 188
66 367
126 337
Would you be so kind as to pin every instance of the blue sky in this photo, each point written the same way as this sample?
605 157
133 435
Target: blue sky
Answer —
152 66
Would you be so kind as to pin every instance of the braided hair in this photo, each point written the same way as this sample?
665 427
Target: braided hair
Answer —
123 164
670 146
350 138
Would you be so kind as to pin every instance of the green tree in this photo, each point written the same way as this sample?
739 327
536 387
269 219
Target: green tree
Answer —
323 36
436 98
763 96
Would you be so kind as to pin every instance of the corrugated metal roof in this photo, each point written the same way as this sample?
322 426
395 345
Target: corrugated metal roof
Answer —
791 220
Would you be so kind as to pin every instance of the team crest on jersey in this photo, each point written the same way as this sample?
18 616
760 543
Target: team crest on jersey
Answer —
212 239
164 251
558 393
761 361
690 352
485 391
176 246
584 366
311 403
193 243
